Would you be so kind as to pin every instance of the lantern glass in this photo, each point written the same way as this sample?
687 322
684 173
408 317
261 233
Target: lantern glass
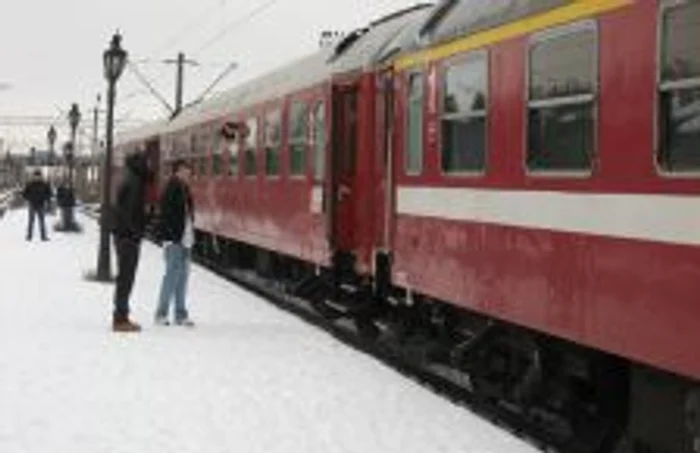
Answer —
114 59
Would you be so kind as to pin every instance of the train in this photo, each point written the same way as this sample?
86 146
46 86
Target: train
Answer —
507 192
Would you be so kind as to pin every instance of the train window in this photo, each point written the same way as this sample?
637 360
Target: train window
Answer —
298 137
202 166
273 142
233 147
562 99
319 140
251 148
413 162
195 167
679 89
464 114
193 144
217 156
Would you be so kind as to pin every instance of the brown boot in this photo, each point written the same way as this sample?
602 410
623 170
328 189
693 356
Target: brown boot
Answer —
123 324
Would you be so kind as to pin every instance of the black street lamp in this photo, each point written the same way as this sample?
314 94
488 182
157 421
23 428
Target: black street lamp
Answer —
74 121
51 138
114 60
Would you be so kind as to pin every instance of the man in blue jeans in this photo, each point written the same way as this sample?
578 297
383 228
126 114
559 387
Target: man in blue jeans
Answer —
38 194
177 234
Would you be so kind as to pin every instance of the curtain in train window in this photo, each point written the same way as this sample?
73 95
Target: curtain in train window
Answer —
233 147
251 148
217 152
319 140
298 137
273 142
562 99
464 115
413 162
679 89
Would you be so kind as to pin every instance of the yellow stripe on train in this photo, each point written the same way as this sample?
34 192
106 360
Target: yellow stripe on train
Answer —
576 10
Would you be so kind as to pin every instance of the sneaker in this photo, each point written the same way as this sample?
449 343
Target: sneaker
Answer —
162 321
185 322
125 325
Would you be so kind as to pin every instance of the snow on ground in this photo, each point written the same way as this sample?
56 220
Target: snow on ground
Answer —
249 378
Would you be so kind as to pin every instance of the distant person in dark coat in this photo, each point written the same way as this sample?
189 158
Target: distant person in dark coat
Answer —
37 192
129 221
177 234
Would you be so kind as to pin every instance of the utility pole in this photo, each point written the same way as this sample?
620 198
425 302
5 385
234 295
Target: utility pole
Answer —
181 61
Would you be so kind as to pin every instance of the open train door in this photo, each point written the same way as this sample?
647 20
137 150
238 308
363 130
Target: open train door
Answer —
344 184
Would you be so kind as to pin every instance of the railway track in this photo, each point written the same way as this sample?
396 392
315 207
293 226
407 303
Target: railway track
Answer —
441 384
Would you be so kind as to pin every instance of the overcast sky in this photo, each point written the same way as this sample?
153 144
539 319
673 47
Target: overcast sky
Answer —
50 51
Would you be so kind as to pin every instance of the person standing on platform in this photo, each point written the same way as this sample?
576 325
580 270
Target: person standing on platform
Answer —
177 234
38 194
129 226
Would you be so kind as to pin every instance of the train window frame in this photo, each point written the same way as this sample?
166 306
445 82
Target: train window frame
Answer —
409 75
216 151
226 147
442 68
255 148
278 111
547 35
661 87
203 153
293 141
319 105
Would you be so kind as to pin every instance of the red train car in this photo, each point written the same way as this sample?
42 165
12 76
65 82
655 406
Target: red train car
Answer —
546 175
504 192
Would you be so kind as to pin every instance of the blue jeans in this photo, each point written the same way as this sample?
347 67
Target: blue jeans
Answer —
177 270
34 212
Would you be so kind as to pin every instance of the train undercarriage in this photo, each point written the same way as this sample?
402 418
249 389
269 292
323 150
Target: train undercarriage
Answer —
558 395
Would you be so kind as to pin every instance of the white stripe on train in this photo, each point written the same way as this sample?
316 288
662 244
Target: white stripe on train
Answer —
671 219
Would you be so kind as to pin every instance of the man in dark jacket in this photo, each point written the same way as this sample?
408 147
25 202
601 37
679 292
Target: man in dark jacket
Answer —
38 194
129 225
177 234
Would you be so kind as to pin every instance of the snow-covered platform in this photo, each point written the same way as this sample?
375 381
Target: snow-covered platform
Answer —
249 378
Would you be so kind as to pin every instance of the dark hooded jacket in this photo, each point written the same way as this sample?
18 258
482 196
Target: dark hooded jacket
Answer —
175 205
37 193
129 216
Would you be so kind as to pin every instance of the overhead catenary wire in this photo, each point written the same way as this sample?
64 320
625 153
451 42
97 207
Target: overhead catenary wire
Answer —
134 69
189 27
236 24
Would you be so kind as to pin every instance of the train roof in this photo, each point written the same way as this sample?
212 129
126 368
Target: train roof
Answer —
303 73
359 50
407 39
364 47
453 18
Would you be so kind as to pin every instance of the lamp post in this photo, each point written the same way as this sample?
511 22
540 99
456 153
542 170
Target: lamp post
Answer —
51 138
74 121
114 59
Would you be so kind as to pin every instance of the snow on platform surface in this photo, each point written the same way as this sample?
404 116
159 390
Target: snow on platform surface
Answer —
249 378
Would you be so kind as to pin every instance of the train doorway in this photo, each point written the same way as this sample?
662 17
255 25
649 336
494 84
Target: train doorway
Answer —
344 233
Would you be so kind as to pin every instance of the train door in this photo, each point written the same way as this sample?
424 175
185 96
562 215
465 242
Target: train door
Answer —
344 234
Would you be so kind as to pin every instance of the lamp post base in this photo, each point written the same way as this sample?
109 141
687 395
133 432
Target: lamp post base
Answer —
67 223
95 277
